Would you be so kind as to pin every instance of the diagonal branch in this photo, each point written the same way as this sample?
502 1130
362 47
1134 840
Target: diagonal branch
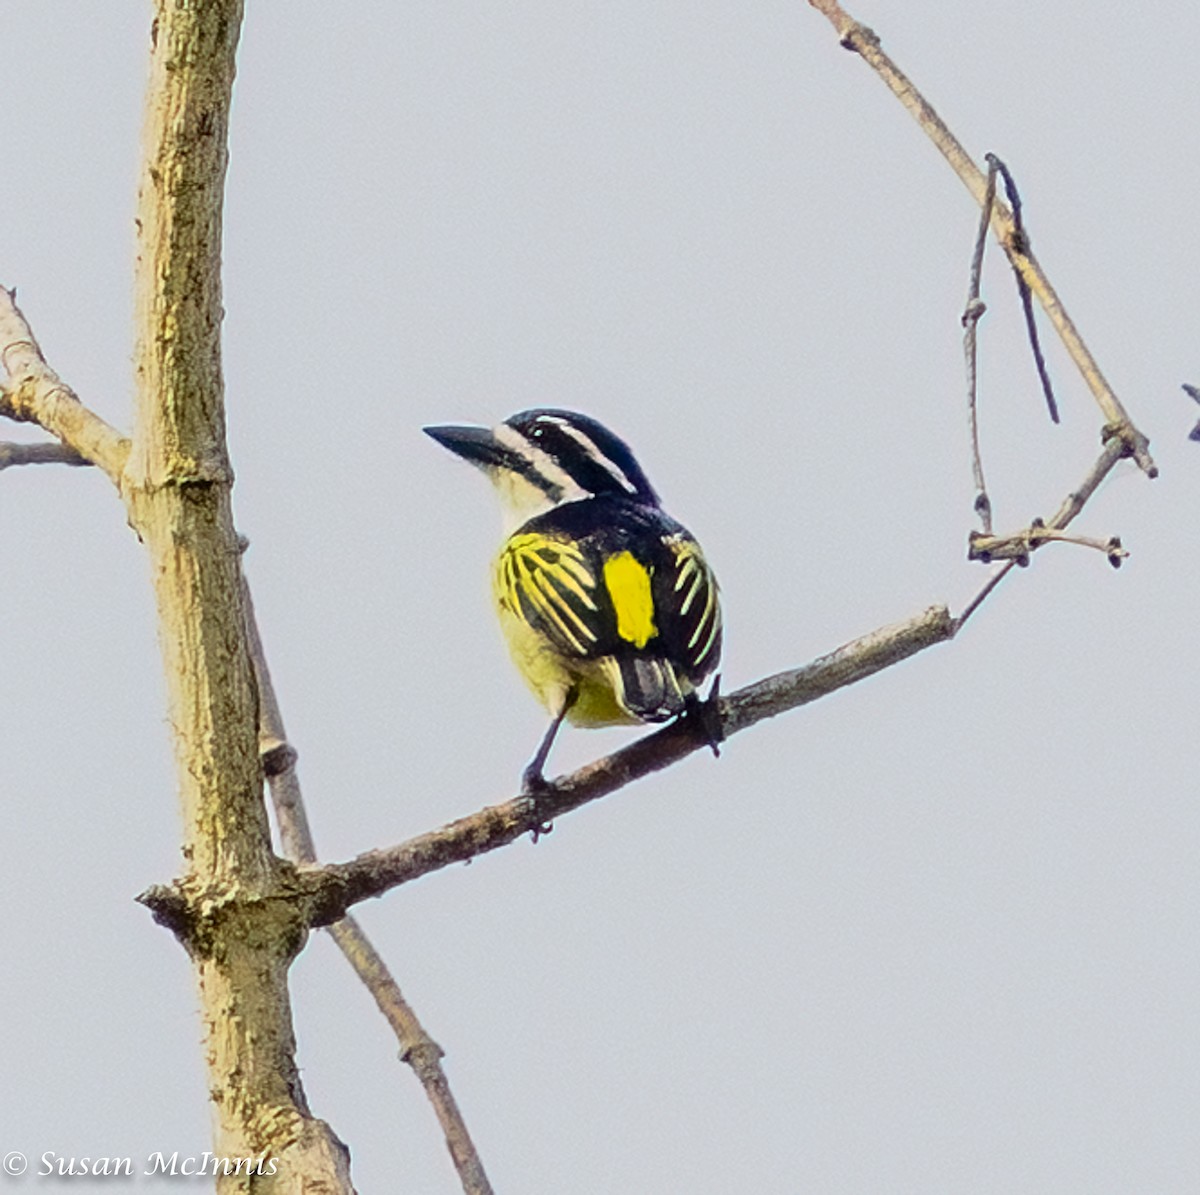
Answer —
36 394
864 42
417 1048
335 887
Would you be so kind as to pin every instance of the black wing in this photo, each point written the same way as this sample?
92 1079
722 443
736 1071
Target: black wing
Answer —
687 600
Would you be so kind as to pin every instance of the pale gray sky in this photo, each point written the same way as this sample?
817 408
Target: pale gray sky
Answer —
935 934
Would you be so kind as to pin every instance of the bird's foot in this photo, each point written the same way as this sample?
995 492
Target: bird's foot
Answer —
535 788
706 713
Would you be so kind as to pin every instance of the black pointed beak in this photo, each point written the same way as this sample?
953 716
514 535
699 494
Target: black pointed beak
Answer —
475 444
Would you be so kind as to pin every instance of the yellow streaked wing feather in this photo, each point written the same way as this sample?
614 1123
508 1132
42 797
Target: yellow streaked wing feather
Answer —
694 579
545 583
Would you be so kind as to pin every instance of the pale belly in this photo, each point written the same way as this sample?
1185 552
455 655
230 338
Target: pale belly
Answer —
551 677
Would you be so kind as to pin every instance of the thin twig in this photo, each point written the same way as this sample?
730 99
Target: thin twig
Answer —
38 454
1021 240
1114 451
1020 547
863 41
335 887
984 593
972 313
417 1048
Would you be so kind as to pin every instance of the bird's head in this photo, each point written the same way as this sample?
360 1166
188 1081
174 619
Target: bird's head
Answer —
543 458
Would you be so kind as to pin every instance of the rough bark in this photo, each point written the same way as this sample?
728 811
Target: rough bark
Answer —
177 486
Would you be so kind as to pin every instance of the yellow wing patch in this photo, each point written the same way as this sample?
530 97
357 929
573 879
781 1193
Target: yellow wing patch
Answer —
628 583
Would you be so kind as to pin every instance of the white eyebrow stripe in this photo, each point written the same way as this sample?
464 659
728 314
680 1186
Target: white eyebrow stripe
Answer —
589 446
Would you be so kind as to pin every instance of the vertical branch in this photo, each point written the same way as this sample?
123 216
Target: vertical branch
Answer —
177 484
972 313
178 477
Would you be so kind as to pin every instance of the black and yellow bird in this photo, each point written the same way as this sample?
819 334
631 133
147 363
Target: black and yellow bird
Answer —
609 609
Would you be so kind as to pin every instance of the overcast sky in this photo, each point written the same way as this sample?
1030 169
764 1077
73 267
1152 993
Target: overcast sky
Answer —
937 933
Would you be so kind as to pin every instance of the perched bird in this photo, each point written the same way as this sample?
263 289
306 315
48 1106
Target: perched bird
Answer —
607 604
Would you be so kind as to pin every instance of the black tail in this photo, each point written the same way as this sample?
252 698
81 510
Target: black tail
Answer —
652 690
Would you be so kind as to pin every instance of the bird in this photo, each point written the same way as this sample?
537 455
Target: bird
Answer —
608 606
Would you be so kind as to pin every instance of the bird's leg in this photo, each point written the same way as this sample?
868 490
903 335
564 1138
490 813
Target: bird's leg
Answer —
707 714
533 779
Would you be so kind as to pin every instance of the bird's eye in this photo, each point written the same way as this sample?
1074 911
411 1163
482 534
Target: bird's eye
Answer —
538 432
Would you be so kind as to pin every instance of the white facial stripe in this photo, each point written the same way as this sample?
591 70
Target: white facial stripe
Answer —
589 446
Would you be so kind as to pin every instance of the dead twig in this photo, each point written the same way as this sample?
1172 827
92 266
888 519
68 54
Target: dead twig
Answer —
1021 239
417 1048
